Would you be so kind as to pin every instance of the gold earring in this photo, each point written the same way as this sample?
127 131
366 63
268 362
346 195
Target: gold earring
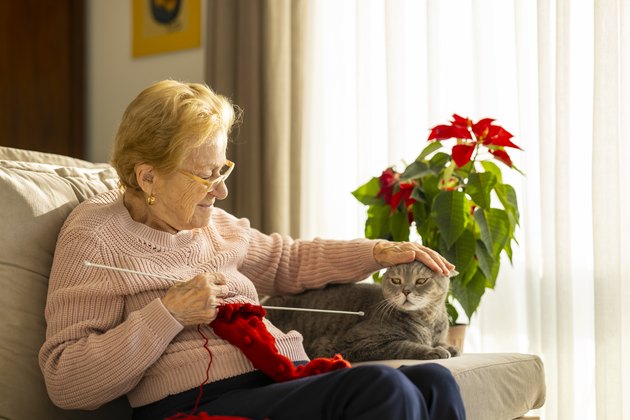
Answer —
151 200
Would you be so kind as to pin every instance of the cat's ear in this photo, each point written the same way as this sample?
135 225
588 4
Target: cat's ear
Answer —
453 273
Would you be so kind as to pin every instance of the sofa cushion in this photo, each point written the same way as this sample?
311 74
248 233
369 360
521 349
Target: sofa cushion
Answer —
38 191
21 155
494 385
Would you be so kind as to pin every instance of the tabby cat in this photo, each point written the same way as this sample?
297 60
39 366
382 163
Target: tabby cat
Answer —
405 318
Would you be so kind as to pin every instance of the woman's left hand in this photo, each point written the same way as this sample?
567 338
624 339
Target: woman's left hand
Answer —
388 253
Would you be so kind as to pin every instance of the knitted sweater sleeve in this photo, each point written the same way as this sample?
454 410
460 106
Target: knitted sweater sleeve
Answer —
280 265
94 352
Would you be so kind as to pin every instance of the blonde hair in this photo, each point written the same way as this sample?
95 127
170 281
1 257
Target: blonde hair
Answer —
164 123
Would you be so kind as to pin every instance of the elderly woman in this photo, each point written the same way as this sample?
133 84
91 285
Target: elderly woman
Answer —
113 333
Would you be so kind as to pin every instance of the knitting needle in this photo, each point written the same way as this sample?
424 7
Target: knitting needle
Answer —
281 308
327 311
126 270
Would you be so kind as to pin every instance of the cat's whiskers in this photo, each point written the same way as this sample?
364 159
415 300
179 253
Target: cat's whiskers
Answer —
378 308
404 300
385 308
429 308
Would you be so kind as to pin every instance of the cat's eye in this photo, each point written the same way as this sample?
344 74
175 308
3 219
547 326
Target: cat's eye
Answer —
421 281
395 280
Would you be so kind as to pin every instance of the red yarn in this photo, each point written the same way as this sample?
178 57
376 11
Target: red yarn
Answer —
205 346
241 325
204 416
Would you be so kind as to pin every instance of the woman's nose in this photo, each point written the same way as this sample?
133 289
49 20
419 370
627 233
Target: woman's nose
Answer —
220 192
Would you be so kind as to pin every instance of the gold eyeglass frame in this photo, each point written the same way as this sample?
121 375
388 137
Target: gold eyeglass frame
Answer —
211 185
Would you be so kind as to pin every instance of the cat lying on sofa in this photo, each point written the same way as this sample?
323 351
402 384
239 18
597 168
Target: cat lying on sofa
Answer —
405 317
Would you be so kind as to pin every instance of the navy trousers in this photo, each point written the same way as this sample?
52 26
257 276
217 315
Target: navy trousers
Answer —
419 392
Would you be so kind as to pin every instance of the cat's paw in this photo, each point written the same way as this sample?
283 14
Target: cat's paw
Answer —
438 352
454 351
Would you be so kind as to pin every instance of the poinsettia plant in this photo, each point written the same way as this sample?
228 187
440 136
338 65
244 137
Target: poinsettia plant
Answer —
454 196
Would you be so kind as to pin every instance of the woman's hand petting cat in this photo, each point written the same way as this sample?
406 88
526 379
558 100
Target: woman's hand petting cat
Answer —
196 300
388 253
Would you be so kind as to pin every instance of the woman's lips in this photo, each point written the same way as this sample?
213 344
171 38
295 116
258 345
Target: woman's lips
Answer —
206 205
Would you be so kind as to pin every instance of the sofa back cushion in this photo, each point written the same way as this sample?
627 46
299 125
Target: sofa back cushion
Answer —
38 191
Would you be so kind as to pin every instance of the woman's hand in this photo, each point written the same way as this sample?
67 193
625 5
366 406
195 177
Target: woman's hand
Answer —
196 301
391 253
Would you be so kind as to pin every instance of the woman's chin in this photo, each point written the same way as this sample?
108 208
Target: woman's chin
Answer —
202 216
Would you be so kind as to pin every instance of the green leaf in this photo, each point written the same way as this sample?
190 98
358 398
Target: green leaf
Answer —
377 277
463 171
377 223
513 224
448 172
429 185
508 250
517 170
487 263
512 227
418 194
493 228
420 212
452 313
432 147
428 233
469 295
467 275
492 168
439 161
399 226
507 196
462 252
480 186
367 192
448 212
415 170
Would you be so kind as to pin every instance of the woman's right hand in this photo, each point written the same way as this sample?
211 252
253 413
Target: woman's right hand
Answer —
196 301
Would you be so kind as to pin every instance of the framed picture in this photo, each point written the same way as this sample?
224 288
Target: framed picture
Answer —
165 25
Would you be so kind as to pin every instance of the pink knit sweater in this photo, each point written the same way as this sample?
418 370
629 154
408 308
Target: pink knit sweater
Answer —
108 333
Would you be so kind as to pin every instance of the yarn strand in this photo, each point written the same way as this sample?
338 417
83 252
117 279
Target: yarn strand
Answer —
205 381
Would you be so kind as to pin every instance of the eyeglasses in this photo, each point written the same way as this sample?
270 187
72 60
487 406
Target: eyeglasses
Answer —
212 184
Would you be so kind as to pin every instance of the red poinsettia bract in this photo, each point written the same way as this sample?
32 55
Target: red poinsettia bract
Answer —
388 182
470 135
404 193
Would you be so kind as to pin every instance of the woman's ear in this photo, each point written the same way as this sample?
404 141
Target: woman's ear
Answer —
145 175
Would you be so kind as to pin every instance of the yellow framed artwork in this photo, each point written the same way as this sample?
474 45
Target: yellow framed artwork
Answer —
165 25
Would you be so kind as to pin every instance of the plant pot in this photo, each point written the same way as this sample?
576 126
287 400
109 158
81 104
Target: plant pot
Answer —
456 334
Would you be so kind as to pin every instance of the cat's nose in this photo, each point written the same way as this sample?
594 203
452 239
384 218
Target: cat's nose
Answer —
406 291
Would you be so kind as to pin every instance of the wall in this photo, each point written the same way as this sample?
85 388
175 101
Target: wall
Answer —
114 77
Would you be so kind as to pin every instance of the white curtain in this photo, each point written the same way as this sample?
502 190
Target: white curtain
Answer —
554 73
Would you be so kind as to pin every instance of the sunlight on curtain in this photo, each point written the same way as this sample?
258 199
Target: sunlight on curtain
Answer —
611 204
565 50
383 72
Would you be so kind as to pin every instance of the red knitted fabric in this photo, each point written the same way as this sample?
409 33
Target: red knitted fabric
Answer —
241 325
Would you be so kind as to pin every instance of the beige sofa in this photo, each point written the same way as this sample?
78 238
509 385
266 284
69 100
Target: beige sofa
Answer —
38 190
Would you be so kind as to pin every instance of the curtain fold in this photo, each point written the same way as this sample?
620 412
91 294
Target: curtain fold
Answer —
611 209
255 57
